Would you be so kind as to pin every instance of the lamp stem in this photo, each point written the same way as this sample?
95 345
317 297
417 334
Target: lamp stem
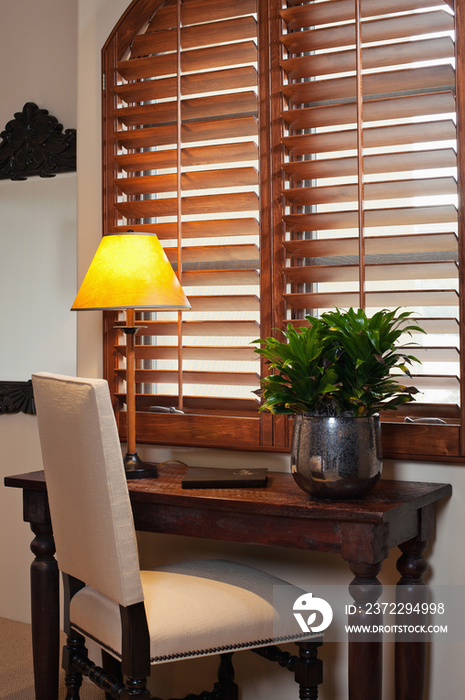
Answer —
131 383
134 466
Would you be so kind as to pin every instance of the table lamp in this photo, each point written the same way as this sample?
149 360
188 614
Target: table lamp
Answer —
131 271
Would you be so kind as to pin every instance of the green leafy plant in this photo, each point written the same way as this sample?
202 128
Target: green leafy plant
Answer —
344 362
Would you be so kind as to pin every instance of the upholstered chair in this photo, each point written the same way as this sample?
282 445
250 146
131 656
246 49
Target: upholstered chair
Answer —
139 618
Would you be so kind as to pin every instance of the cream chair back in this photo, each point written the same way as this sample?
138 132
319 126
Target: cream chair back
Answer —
88 495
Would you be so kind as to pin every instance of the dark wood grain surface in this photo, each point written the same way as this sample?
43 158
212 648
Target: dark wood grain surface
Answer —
280 497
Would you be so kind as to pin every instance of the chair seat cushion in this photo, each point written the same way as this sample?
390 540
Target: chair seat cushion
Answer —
195 608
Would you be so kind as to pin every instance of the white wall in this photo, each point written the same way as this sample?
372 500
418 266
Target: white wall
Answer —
37 257
38 216
446 675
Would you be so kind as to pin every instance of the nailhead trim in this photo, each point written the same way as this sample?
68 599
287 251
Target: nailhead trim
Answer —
231 647
205 652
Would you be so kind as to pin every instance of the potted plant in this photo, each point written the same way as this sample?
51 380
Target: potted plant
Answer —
335 375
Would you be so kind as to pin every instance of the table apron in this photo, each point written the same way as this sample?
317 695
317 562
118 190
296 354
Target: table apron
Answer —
355 541
251 528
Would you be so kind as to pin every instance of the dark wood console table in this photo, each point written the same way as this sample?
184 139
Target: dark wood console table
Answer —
362 531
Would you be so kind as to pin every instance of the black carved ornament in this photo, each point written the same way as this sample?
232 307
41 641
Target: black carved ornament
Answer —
33 143
16 397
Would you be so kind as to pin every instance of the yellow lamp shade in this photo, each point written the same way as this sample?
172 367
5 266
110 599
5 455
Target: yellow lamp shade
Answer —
131 271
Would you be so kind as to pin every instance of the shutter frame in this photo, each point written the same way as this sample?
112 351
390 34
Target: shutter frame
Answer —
320 114
263 432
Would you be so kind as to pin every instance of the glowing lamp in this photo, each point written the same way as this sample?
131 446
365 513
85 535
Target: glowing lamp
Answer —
131 271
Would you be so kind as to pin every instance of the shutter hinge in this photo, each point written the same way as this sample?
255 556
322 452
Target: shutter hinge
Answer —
103 82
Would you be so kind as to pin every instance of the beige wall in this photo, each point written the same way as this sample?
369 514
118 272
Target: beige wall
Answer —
446 675
37 257
38 216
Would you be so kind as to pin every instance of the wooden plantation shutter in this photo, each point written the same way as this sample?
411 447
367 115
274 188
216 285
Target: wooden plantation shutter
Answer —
182 150
370 198
290 157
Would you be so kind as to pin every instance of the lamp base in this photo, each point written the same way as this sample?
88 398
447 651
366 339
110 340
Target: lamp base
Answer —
137 469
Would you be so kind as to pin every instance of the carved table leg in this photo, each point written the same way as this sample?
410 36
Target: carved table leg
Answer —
44 598
309 669
365 648
410 648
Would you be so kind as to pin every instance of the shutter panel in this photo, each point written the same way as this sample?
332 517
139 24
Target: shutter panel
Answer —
183 158
370 167
289 158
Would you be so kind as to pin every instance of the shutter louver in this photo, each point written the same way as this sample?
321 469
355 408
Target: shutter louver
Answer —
186 168
370 198
289 158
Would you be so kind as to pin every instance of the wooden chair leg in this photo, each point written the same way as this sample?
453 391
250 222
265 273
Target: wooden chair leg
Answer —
225 685
135 653
309 669
75 644
135 689
113 667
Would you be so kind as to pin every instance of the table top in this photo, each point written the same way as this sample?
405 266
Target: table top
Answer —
389 500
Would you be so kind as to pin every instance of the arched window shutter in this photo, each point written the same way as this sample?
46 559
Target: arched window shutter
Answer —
182 150
290 157
370 160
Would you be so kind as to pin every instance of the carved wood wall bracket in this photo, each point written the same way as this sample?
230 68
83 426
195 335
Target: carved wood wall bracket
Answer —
33 143
16 397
